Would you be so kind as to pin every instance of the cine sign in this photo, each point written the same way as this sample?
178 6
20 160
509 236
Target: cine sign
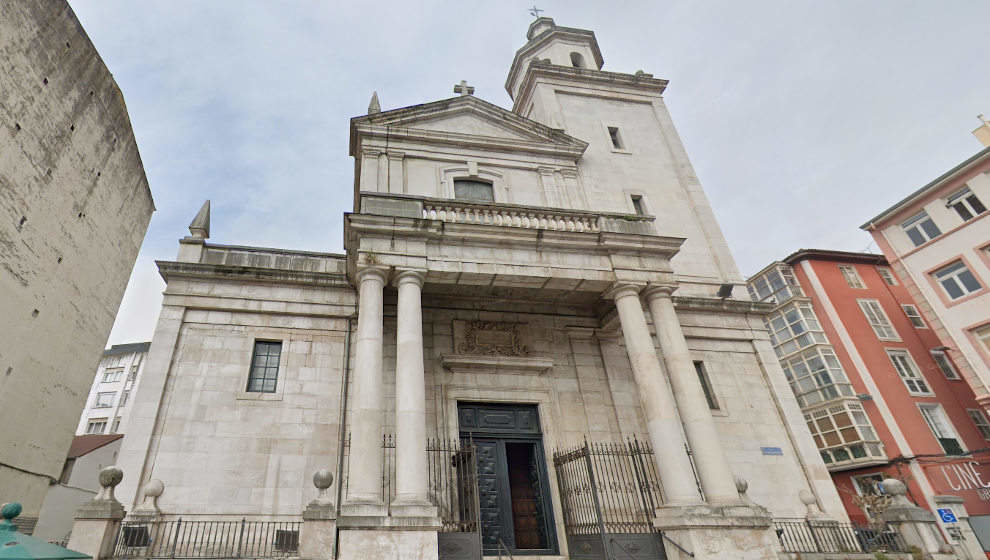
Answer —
966 476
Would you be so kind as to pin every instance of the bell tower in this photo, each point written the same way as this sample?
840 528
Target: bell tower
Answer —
635 161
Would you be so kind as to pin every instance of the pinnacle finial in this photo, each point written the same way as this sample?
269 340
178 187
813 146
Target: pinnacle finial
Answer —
200 226
374 106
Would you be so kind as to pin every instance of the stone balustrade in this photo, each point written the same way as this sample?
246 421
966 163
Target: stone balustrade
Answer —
505 215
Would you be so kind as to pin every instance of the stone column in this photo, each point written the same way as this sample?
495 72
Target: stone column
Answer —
410 401
717 479
657 400
364 489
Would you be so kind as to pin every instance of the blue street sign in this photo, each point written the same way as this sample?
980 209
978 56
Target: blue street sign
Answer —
947 515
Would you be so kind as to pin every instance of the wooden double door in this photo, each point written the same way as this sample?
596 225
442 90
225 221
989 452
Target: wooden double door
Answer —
513 487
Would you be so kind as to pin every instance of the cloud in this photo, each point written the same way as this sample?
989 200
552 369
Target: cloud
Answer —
802 118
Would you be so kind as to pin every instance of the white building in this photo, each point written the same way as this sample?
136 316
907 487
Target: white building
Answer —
504 277
938 240
110 398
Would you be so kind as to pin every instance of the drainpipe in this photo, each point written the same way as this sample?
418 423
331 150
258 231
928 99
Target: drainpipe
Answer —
341 430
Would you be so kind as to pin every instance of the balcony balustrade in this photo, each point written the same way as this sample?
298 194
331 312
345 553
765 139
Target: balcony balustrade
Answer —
505 215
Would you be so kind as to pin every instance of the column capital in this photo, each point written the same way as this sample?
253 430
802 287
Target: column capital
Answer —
410 275
395 156
657 290
622 289
380 272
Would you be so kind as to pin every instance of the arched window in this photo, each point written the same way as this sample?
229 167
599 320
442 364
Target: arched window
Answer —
577 60
474 190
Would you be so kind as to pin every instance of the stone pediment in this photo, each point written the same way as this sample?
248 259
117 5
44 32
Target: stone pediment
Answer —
465 120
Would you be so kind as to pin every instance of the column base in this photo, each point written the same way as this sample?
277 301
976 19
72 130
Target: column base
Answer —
413 509
711 532
388 544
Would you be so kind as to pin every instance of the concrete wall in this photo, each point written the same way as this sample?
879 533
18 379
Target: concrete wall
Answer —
62 500
74 207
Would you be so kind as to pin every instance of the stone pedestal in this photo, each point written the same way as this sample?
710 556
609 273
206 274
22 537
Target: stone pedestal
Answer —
97 521
391 544
917 526
710 532
318 534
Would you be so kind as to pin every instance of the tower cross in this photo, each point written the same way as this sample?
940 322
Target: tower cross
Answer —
463 88
535 12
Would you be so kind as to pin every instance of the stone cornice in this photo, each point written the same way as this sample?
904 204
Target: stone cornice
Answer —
693 303
645 83
170 269
501 236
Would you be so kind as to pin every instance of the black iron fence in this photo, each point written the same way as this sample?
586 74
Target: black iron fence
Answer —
207 539
453 480
804 535
608 487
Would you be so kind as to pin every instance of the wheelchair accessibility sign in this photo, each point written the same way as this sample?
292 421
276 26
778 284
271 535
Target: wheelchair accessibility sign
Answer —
947 515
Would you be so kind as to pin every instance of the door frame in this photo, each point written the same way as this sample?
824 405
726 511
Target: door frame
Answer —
547 494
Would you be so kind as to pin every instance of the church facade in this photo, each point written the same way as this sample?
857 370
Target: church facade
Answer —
532 302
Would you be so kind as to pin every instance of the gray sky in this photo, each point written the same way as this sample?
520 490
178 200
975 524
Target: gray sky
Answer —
803 119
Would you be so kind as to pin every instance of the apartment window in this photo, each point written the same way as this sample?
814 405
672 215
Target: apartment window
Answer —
264 367
844 433
908 372
115 426
816 376
957 280
878 319
706 385
983 335
944 364
776 286
941 428
96 425
67 471
869 484
793 328
921 229
112 375
474 190
124 395
637 202
887 275
851 276
104 400
913 315
616 137
132 375
980 420
966 204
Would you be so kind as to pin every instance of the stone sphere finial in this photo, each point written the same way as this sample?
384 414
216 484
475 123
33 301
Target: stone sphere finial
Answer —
322 479
110 477
154 488
893 487
10 510
741 485
806 497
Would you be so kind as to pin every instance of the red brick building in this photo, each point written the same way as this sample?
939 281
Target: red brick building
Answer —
881 396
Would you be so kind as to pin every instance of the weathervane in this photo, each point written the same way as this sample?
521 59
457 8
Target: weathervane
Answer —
534 11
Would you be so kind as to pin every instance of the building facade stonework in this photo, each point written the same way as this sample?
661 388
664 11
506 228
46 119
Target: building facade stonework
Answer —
74 208
533 285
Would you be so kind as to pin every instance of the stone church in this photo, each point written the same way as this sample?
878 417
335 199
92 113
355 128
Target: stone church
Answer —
536 342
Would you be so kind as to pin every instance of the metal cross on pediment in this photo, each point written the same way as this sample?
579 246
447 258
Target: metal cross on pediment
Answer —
535 12
463 88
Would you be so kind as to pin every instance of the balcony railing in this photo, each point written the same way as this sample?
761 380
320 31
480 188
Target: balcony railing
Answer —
505 215
803 535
